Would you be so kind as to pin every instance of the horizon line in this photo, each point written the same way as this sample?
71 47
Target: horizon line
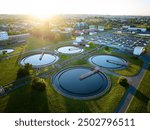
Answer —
78 14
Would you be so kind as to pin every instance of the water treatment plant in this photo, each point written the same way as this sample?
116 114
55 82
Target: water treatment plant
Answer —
74 65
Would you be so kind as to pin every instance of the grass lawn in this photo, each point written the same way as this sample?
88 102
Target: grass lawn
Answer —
8 69
133 68
35 43
18 48
140 100
148 47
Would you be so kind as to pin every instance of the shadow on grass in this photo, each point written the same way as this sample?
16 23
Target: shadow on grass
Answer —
131 90
26 100
148 68
76 106
138 94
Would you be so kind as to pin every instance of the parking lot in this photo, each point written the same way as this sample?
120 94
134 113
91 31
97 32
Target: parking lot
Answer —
125 42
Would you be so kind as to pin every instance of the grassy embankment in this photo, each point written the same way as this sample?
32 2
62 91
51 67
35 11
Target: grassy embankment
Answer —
142 97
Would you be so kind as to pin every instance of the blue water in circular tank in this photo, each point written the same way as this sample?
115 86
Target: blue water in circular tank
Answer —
68 83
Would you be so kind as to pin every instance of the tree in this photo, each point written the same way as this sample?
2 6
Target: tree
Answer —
28 66
123 82
91 44
24 71
106 48
38 84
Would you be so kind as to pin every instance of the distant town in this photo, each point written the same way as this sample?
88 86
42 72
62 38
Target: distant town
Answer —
75 63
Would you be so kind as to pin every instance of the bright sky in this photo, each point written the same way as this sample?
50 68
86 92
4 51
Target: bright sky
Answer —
45 7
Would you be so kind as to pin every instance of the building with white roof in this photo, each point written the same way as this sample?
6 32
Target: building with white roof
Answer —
79 39
138 50
134 29
3 36
101 28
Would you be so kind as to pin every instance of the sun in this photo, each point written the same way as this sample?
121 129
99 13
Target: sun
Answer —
43 9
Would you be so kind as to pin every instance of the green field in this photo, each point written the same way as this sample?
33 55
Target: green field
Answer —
140 101
148 47
8 69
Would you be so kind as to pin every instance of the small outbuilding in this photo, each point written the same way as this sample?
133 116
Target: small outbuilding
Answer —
138 50
79 39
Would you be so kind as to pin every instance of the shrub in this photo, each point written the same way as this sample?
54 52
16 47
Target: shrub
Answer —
123 82
38 84
106 48
24 71
91 44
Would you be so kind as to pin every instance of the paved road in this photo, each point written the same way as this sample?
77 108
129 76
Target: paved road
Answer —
134 83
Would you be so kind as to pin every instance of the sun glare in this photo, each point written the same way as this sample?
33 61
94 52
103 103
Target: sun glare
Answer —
42 16
42 9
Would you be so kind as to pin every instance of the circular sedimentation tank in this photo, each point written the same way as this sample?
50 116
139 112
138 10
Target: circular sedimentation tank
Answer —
6 51
68 83
69 50
39 60
108 61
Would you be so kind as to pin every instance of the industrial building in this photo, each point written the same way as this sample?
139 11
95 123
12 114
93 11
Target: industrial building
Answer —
3 36
134 29
138 50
